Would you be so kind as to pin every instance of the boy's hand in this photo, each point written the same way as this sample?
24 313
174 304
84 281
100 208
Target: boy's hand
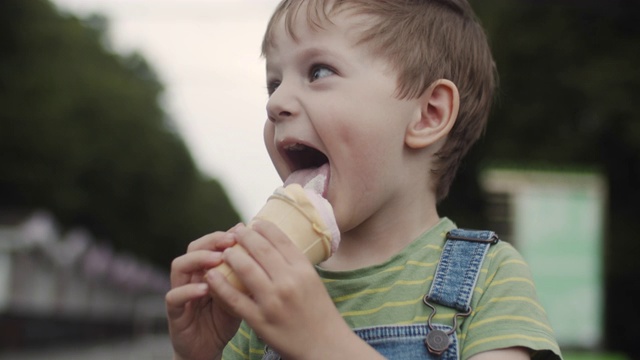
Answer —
198 326
288 305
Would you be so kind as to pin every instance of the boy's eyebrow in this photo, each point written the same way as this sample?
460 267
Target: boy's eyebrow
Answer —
307 53
314 51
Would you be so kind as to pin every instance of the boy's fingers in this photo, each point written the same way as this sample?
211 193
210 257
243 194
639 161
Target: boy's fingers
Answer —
236 303
272 264
183 267
261 248
279 239
247 270
284 253
177 298
215 241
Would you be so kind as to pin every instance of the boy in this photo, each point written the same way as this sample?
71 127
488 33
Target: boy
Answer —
383 97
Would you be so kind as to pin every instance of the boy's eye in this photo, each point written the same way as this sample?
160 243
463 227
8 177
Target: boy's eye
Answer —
319 71
272 86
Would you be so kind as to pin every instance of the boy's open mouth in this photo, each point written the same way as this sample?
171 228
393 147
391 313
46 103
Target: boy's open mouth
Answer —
302 157
306 163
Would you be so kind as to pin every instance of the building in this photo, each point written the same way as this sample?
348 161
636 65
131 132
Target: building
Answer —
556 219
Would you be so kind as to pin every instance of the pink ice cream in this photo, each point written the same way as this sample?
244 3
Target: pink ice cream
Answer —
315 182
326 213
300 211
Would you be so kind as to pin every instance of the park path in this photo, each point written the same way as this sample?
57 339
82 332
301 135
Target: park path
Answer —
148 347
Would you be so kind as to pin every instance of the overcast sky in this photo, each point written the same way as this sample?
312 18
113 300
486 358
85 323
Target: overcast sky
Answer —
207 53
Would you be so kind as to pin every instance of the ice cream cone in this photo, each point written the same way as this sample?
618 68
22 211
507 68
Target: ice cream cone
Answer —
293 211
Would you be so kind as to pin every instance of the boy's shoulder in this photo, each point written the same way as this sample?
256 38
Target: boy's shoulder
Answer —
503 253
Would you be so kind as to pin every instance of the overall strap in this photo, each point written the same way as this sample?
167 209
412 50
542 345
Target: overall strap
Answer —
455 278
459 267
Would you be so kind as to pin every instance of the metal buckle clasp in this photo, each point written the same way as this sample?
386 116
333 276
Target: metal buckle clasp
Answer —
437 341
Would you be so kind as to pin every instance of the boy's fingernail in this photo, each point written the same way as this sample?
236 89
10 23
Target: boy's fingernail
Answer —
210 274
236 227
225 253
203 288
215 256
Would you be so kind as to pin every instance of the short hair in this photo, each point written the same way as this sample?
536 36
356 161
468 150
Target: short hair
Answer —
424 41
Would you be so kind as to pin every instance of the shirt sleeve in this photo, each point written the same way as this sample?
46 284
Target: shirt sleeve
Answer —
506 311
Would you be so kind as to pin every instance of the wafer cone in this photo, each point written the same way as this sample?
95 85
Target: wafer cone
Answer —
294 213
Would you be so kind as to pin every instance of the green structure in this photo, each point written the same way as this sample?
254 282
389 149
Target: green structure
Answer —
556 220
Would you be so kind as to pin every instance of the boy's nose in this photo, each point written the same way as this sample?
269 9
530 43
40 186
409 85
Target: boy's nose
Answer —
282 104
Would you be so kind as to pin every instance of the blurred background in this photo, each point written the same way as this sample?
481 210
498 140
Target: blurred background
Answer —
129 128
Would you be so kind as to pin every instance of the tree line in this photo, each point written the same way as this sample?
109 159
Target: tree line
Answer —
82 134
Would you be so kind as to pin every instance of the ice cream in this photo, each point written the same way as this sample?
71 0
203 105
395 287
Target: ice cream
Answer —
304 216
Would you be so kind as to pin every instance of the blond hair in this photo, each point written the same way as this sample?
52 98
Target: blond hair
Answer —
424 40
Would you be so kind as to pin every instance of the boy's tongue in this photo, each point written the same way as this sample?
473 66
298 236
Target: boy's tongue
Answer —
316 179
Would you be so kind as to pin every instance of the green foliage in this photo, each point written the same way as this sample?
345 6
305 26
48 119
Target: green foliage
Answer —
82 134
592 356
569 77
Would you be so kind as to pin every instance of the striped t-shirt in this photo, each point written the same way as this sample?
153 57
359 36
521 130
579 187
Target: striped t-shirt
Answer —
506 311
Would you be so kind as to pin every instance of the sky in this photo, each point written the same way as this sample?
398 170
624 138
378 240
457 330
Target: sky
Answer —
207 54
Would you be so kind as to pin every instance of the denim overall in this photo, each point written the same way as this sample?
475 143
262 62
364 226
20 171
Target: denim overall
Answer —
452 287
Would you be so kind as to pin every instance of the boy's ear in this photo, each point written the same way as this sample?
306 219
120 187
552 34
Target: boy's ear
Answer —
439 110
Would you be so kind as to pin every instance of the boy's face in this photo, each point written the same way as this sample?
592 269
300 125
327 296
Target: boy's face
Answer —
332 101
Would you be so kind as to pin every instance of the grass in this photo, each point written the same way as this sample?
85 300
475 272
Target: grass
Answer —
593 356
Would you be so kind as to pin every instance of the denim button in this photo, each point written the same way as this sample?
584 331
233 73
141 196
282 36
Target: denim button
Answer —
408 341
437 341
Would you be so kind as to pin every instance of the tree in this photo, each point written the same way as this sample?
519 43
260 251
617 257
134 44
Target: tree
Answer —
82 134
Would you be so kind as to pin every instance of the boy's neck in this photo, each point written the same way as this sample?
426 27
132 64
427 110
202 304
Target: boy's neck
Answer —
383 236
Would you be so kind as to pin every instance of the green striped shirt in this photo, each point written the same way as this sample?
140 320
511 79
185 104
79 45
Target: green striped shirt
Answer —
506 311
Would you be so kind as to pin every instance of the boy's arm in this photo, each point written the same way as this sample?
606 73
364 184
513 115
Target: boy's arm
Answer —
508 314
514 353
288 306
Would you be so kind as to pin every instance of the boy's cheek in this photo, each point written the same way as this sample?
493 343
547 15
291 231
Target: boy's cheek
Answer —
269 142
269 133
